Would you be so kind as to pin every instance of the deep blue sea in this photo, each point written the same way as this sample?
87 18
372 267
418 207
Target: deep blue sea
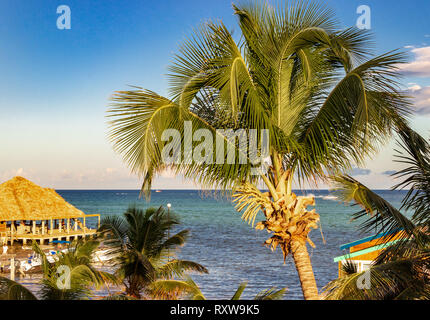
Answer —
231 249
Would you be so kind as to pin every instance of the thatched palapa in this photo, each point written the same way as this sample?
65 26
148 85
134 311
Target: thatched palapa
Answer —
30 212
21 199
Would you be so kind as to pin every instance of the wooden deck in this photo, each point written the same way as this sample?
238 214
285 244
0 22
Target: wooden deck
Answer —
49 237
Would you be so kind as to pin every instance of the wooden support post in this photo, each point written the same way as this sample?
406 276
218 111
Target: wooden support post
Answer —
75 221
60 222
12 269
12 226
43 227
34 227
51 227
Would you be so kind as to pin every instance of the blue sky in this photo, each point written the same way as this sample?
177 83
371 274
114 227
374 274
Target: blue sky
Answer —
55 84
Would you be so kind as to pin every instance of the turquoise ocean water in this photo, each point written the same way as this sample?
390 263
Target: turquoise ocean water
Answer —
230 248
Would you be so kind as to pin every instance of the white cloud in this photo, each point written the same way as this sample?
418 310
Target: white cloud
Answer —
414 87
9 174
103 178
421 96
420 67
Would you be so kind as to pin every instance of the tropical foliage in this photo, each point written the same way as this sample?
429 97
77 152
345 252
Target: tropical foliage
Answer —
402 271
144 250
11 290
325 101
71 277
83 276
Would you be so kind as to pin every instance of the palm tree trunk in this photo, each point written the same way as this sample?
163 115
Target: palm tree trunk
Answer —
304 269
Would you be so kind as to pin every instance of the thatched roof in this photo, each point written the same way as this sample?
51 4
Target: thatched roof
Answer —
21 199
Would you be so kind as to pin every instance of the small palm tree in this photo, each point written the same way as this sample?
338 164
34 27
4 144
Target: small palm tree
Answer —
77 284
402 271
72 276
145 250
325 102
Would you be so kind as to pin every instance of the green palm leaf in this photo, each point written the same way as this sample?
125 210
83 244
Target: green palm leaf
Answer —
144 252
415 154
382 216
239 291
11 290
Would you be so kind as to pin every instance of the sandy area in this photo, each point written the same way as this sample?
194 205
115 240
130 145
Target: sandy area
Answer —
20 253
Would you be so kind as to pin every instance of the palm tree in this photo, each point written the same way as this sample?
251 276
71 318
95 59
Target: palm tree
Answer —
145 251
324 101
402 271
83 276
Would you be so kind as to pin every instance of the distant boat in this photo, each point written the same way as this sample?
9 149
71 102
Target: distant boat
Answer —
330 198
157 191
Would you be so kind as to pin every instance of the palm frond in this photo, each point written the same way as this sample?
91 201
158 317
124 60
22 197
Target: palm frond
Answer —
355 117
115 226
168 289
11 290
176 240
239 291
415 154
271 294
177 268
382 216
349 267
400 279
140 127
119 297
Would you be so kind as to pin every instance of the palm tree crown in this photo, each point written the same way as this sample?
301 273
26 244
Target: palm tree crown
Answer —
83 276
145 250
326 103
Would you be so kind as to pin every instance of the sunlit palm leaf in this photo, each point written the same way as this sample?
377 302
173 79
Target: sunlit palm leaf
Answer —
177 268
144 249
11 290
239 291
415 154
381 216
271 294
